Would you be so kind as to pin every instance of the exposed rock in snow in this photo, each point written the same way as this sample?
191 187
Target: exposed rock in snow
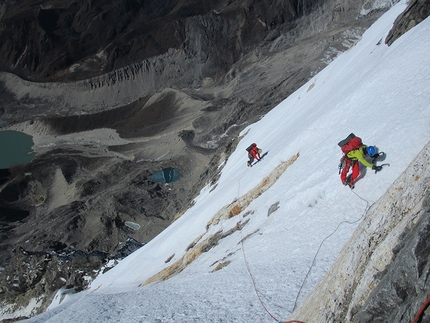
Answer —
417 11
382 272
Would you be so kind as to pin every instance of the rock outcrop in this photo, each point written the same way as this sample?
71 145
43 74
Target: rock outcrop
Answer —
77 39
417 11
381 274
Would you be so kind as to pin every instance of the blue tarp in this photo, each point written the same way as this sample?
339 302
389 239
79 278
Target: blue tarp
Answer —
166 175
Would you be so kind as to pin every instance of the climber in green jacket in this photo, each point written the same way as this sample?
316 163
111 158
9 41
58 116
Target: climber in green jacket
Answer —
358 154
351 160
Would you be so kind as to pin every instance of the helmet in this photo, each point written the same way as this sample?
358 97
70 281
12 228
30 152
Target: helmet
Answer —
371 150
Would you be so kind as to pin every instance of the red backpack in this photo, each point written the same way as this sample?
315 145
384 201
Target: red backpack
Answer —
350 143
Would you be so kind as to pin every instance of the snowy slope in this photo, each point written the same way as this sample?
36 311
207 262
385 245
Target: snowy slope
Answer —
381 94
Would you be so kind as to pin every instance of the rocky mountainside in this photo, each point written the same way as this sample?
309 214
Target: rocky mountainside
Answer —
113 92
387 281
69 40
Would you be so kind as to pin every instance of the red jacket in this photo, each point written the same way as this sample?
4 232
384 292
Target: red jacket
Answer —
254 152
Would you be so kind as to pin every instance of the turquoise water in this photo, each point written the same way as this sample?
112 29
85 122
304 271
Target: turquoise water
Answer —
133 225
166 175
15 148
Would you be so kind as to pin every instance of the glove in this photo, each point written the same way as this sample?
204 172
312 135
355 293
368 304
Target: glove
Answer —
376 168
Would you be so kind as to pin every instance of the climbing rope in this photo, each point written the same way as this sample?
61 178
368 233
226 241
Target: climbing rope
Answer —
254 285
368 206
253 280
421 310
256 289
246 261
322 242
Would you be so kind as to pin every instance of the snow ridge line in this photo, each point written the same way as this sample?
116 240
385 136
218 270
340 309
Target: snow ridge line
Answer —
196 248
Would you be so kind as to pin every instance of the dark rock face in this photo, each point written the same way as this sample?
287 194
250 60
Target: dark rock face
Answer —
417 11
404 286
41 41
39 273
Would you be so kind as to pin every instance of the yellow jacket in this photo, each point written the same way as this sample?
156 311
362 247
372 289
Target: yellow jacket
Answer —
358 154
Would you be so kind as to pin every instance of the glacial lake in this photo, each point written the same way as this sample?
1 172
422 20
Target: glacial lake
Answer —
15 148
165 175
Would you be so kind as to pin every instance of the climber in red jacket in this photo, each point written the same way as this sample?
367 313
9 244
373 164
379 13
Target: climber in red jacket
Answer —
253 153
